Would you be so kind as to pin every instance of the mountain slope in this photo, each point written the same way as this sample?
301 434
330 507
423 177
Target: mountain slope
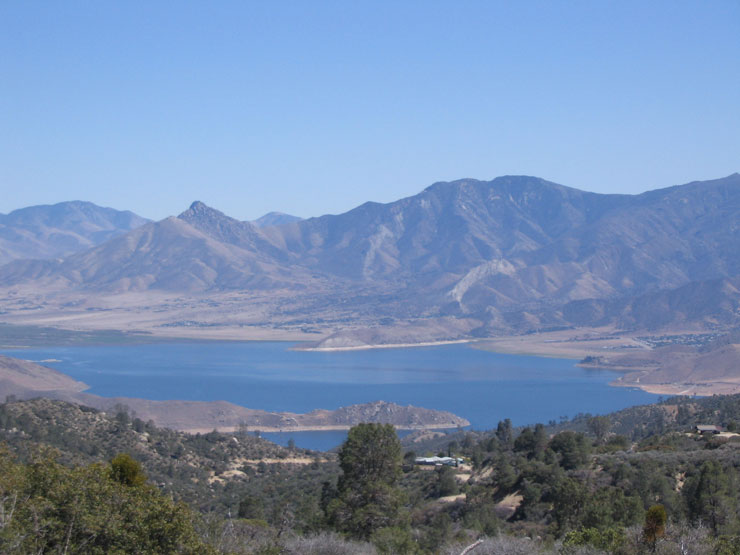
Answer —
224 229
170 255
518 240
638 244
515 253
448 227
51 231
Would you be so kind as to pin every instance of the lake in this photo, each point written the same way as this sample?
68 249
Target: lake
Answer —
481 386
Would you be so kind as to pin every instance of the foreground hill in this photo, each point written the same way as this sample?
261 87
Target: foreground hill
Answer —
183 464
51 231
461 259
637 481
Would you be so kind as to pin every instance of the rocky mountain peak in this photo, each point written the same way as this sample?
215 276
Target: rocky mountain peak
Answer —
206 218
199 209
226 229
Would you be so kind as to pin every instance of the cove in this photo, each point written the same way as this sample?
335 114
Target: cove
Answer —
481 386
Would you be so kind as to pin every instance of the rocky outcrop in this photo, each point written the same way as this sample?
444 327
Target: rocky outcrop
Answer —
404 417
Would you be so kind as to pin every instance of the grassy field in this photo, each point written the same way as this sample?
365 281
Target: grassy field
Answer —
19 337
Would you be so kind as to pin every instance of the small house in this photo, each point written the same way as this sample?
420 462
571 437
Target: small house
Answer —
439 461
707 429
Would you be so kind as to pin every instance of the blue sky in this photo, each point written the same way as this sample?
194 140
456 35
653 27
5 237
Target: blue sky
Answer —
313 107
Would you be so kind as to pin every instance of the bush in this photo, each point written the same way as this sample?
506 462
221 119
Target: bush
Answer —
393 540
327 544
609 539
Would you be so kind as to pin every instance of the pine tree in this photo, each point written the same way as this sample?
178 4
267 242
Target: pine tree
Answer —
368 497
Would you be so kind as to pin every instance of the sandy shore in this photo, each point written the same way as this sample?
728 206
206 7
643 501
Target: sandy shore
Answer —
383 346
671 389
573 344
578 344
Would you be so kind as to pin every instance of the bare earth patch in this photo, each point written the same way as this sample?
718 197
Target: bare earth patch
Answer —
452 498
509 504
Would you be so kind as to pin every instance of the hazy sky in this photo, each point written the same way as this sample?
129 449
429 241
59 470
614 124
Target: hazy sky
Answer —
313 107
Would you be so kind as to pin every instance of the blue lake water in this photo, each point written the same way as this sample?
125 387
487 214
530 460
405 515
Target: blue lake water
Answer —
481 386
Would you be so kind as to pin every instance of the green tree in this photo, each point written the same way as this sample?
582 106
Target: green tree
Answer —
524 443
540 440
573 449
251 507
654 527
504 476
707 496
409 460
531 442
599 426
446 482
126 470
370 454
122 414
504 432
368 497
569 497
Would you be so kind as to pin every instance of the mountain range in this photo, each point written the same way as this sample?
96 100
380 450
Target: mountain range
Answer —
460 259
52 231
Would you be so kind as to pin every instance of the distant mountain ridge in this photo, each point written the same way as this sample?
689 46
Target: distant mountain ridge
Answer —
275 218
51 231
516 253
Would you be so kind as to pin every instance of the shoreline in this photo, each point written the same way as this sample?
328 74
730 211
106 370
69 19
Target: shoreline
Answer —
679 389
300 429
566 347
567 344
482 345
384 346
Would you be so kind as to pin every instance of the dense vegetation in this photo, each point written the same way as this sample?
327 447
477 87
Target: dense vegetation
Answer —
212 472
76 480
46 507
